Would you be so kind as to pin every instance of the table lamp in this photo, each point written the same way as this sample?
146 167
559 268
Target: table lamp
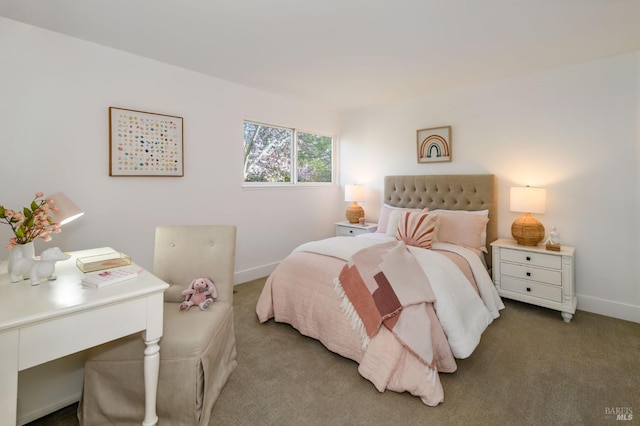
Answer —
527 230
354 193
66 209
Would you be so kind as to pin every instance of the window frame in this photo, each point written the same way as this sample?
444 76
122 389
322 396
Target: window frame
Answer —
294 159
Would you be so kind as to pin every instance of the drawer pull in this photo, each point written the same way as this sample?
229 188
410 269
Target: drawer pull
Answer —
528 258
528 274
529 289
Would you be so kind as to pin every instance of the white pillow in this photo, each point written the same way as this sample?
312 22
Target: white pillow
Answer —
383 218
392 223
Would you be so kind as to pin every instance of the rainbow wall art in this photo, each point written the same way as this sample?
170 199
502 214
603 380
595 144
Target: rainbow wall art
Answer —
434 145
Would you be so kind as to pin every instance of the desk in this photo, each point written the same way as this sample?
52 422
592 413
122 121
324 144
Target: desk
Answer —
57 318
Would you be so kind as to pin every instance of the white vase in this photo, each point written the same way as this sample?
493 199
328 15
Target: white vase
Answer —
21 251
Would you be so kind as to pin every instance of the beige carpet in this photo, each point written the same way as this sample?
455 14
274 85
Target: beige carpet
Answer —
530 368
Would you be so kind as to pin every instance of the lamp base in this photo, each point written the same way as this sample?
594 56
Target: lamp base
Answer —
354 213
527 231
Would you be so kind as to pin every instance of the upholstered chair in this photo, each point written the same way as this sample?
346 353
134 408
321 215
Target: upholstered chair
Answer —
197 349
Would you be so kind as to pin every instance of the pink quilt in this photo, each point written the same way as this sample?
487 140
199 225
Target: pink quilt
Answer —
300 292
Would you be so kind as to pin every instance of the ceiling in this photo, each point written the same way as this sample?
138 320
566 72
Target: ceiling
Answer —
347 54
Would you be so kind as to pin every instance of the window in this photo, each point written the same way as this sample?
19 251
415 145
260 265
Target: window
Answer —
278 155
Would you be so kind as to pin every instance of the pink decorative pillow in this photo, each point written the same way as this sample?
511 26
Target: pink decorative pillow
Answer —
484 213
416 229
465 230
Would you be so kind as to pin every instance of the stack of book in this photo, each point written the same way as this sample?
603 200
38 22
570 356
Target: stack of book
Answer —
108 277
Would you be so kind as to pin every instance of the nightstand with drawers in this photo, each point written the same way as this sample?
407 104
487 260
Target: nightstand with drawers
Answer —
535 275
347 229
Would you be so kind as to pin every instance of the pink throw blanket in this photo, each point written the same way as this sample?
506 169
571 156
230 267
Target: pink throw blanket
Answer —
384 285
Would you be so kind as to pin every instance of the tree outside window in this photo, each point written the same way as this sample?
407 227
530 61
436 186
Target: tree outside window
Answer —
278 155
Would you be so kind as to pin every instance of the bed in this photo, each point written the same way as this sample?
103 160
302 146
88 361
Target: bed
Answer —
323 288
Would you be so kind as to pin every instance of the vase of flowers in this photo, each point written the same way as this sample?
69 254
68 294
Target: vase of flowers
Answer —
20 251
33 222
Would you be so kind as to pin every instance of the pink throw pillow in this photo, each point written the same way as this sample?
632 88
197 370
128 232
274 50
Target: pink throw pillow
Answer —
416 229
462 229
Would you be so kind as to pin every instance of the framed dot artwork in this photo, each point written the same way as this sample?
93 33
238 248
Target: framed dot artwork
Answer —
145 144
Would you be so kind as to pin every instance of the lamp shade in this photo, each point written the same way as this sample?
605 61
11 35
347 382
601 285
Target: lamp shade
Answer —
525 199
66 209
354 193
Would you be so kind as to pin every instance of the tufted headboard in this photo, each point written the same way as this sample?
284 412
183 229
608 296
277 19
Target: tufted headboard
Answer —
451 192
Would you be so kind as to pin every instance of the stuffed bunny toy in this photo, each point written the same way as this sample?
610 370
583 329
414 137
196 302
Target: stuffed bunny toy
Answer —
201 292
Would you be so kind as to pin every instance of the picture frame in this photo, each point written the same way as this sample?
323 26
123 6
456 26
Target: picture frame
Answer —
434 145
145 143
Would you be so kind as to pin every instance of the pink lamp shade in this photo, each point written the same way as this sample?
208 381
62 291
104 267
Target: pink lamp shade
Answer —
67 210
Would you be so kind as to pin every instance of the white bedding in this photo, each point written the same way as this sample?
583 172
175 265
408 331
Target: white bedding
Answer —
462 313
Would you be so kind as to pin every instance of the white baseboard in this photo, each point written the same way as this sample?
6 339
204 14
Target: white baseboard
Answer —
254 273
595 305
49 387
43 411
609 308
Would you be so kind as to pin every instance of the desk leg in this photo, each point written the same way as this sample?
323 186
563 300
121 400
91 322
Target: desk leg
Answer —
151 370
9 377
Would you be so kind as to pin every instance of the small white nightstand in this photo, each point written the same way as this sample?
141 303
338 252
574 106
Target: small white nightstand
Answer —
347 229
536 275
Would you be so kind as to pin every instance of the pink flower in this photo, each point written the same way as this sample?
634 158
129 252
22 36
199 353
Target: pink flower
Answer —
32 223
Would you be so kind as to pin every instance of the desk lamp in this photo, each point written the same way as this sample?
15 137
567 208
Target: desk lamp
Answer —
65 212
66 209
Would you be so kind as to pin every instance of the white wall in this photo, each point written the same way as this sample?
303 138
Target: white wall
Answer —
574 131
55 94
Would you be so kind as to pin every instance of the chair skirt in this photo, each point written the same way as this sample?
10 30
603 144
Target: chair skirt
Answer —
197 356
